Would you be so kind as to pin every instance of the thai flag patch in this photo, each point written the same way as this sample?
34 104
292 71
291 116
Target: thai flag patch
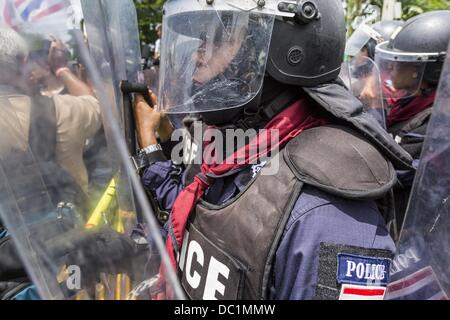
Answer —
354 292
363 271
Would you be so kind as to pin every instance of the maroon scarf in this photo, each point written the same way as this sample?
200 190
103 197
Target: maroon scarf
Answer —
401 112
290 123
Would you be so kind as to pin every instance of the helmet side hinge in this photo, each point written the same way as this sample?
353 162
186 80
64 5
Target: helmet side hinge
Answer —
305 11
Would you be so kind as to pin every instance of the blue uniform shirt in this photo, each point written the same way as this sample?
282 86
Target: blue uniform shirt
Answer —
317 217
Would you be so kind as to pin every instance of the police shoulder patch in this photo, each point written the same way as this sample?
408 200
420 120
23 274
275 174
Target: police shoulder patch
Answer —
347 272
362 270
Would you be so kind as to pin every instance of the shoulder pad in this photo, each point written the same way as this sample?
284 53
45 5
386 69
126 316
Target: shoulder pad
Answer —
340 162
339 102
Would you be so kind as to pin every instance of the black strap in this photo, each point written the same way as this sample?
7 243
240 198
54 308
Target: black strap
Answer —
42 141
278 104
42 133
156 156
143 160
269 110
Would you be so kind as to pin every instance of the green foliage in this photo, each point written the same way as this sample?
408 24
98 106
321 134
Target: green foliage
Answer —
149 14
410 8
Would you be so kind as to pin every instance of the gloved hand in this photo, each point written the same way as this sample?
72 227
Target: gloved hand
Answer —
10 264
57 243
96 251
13 276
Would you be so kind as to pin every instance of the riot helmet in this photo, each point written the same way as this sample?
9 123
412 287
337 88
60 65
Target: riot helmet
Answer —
414 56
368 37
387 28
216 54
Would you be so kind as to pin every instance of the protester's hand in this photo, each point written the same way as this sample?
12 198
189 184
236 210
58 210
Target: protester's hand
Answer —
371 94
58 55
149 122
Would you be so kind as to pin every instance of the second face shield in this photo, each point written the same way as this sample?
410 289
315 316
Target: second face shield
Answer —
402 73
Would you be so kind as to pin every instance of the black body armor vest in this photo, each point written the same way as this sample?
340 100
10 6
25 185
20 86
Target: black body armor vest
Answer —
228 250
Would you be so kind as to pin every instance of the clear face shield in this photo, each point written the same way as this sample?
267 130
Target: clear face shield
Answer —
359 39
362 77
65 173
213 56
420 269
402 73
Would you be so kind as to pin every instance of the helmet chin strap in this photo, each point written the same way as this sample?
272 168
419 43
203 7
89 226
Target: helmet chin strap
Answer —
268 109
271 100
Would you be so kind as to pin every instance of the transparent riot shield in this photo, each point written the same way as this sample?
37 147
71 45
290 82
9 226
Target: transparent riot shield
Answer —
116 21
68 207
122 26
420 269
362 77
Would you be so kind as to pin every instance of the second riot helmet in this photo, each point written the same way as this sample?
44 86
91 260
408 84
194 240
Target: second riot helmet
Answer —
416 53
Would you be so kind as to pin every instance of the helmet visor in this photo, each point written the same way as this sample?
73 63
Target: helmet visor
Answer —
359 39
362 76
401 73
212 59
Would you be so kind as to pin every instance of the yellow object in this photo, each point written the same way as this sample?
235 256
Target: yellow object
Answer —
126 286
122 281
81 295
103 206
118 225
99 292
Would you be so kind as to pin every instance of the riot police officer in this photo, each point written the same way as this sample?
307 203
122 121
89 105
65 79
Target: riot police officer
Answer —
239 231
411 63
360 73
310 229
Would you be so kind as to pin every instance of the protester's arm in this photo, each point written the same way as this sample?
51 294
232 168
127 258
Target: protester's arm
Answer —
74 85
58 61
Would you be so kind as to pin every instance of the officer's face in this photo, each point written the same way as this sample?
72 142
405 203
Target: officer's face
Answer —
405 76
364 52
360 59
212 60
